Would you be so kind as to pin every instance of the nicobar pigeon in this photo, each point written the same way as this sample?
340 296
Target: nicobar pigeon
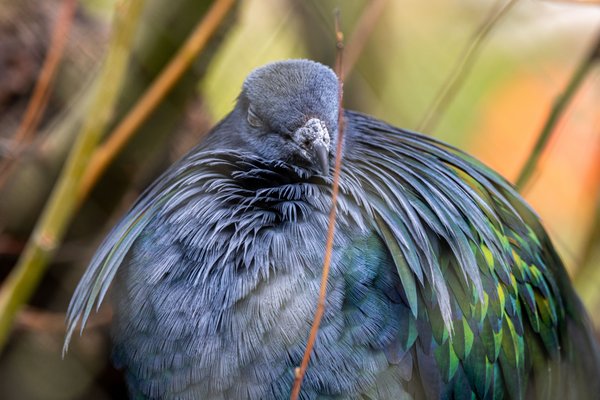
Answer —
443 283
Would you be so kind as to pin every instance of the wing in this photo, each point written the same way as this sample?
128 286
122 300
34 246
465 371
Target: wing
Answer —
180 182
491 307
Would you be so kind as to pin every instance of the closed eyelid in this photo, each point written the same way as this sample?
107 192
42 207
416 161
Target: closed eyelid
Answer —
254 119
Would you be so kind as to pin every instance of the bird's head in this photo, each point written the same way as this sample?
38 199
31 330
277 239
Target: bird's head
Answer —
289 112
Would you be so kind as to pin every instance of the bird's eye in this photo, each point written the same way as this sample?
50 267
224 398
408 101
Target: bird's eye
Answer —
253 119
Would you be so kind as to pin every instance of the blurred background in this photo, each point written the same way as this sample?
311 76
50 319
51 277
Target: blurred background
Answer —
481 75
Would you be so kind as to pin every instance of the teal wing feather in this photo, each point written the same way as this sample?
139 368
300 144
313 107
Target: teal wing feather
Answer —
495 313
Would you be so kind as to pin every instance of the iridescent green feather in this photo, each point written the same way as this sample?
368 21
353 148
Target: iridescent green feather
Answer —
502 291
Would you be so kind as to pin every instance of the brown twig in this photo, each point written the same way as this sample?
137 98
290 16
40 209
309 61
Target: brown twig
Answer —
10 246
32 319
154 94
41 92
461 69
361 34
301 371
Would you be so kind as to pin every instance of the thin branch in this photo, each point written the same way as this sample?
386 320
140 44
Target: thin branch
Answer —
155 93
301 371
361 34
39 99
61 206
461 69
32 319
560 105
10 246
41 92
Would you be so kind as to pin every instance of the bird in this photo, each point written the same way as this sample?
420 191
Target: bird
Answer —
443 283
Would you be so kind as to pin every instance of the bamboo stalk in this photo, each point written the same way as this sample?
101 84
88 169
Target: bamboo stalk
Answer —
154 94
62 204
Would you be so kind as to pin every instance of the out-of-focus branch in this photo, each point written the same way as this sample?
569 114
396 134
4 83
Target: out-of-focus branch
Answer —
593 238
41 92
155 93
361 34
587 276
39 98
560 105
163 29
62 204
31 319
10 246
314 329
461 69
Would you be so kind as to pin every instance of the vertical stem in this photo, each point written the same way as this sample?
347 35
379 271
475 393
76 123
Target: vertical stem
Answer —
314 329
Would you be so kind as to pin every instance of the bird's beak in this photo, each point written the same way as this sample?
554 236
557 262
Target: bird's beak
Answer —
321 152
314 139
